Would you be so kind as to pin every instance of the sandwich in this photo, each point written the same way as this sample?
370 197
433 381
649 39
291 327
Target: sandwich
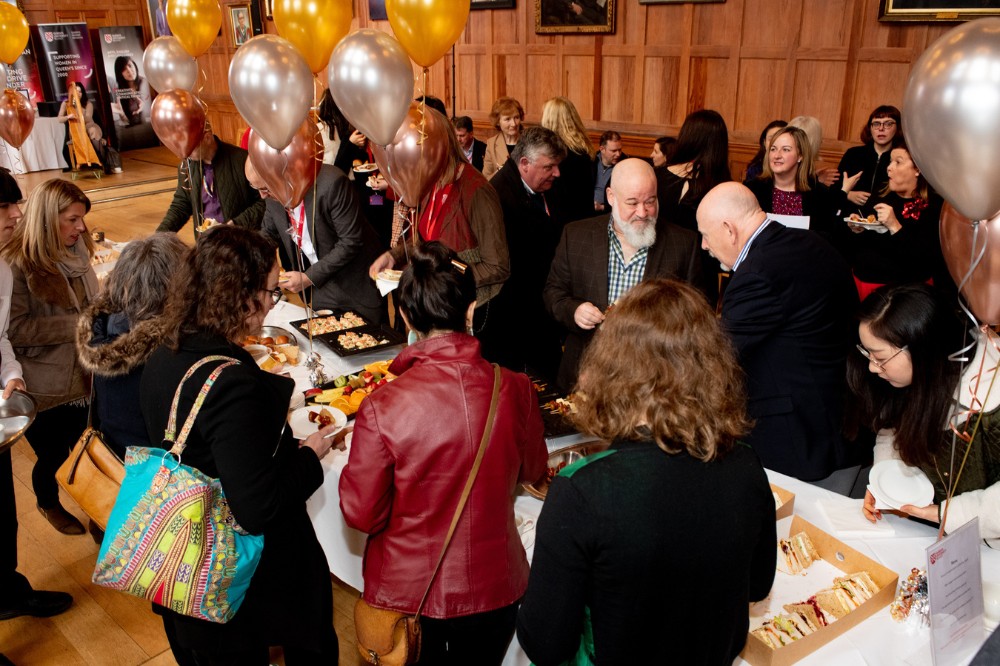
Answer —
846 594
796 553
809 612
783 629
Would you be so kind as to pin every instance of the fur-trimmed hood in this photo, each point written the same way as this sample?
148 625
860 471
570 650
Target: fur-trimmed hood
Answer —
121 355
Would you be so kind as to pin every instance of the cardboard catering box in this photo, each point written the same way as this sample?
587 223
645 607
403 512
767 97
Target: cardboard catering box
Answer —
787 502
845 559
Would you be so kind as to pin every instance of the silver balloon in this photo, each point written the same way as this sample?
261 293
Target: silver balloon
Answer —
951 117
272 87
3 76
371 80
168 66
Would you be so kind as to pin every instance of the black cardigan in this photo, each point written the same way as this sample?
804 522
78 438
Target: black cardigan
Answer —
663 552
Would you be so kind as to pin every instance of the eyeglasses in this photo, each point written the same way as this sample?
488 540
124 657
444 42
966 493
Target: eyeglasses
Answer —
880 364
888 124
275 294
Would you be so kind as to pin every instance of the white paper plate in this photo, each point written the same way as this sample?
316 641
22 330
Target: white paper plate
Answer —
302 428
897 484
877 227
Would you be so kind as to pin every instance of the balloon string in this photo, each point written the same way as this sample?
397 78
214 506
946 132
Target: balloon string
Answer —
423 116
13 159
976 406
203 79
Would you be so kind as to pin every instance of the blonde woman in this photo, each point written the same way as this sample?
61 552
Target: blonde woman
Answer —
575 186
506 115
49 255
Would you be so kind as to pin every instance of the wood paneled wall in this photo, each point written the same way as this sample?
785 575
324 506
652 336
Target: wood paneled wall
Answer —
752 60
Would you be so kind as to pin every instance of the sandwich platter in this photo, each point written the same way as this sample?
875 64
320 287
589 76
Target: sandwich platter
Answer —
894 484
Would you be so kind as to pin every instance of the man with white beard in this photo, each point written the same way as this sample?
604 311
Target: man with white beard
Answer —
601 258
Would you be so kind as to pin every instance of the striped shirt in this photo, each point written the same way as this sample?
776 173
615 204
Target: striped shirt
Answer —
622 275
746 248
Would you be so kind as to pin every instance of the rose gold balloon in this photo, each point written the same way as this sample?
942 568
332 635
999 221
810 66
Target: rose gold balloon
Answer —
412 162
290 172
16 117
179 121
982 291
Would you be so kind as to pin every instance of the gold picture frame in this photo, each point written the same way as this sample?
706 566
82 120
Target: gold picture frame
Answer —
936 10
240 24
574 16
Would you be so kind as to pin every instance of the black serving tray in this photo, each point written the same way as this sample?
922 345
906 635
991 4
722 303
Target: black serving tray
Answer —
389 337
556 425
297 324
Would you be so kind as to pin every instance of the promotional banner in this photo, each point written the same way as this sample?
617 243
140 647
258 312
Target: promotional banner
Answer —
64 55
128 90
23 77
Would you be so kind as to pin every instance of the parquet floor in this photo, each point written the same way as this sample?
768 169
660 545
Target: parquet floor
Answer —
106 628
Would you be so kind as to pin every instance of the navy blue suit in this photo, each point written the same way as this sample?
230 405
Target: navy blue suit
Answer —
788 309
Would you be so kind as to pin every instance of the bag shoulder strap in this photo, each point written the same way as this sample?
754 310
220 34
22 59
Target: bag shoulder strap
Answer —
468 484
170 434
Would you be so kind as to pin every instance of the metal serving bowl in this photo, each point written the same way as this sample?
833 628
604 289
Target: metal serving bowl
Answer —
16 413
567 455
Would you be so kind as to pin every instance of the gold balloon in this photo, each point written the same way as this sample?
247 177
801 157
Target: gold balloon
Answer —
195 23
13 33
313 26
427 28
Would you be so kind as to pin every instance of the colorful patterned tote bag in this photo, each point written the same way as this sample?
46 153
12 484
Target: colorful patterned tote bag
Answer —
171 538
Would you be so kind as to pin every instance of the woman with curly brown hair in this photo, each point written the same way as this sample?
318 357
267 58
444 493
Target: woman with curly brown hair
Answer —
221 293
670 533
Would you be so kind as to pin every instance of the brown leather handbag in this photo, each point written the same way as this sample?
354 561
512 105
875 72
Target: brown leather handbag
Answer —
92 475
392 638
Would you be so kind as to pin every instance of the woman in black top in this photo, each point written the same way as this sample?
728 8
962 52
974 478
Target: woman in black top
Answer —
910 251
574 188
660 543
221 293
864 168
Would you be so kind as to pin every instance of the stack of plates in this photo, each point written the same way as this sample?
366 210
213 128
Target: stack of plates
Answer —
894 484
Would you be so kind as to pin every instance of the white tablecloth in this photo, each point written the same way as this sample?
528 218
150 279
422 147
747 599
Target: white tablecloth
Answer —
41 151
876 641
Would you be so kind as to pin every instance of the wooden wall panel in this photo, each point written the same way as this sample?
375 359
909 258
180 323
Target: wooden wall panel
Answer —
752 60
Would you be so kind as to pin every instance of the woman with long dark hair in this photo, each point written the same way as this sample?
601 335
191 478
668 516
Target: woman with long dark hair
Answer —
132 93
699 163
905 387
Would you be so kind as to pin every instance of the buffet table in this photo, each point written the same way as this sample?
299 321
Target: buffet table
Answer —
877 640
41 151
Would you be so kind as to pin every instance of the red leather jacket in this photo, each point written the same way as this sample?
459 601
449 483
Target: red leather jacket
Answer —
414 444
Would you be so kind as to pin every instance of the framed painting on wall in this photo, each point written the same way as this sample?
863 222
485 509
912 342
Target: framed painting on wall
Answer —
239 19
936 10
568 16
677 2
158 18
492 4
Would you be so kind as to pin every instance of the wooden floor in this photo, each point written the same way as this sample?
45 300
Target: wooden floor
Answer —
103 627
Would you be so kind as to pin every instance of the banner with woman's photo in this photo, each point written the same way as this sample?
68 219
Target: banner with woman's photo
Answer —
128 90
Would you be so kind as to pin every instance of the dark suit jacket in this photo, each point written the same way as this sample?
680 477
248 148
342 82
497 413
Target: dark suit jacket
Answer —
579 274
344 241
788 309
530 336
240 202
478 154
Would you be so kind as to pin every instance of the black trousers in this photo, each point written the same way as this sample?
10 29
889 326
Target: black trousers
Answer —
480 639
260 656
11 583
52 436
